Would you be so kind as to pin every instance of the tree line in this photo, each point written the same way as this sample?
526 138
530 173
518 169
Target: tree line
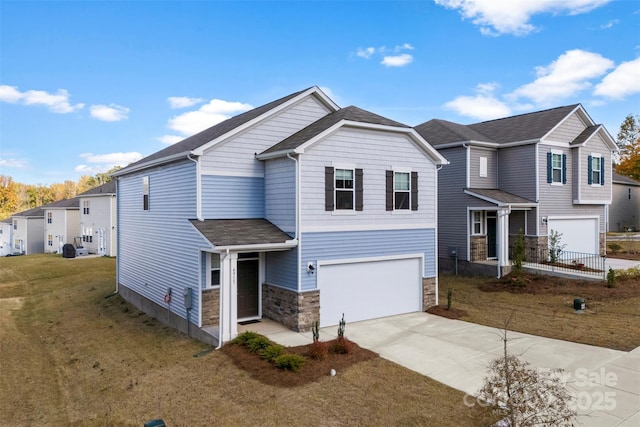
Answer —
17 197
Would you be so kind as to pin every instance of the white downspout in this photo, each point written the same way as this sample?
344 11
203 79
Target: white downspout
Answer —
503 235
198 189
297 232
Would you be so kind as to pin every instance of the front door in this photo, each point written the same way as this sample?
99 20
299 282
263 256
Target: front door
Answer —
492 251
248 286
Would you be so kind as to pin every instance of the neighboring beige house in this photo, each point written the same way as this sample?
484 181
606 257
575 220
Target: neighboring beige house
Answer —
61 224
98 219
28 232
624 212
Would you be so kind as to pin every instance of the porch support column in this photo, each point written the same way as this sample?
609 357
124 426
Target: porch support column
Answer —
503 239
229 295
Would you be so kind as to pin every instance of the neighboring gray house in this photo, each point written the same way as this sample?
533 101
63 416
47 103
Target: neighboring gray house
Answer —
61 224
624 212
98 220
536 172
297 210
28 232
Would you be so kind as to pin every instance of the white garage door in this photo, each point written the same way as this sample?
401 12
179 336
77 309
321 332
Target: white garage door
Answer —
579 234
368 290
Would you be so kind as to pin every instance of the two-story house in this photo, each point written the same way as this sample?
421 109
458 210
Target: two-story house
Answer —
98 219
624 212
28 231
61 223
538 172
6 228
297 210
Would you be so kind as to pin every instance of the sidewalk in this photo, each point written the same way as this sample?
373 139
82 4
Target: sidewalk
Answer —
606 382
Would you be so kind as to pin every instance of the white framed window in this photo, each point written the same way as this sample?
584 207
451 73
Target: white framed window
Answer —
477 223
344 188
402 191
49 217
596 169
85 207
50 240
214 276
145 193
556 167
483 167
15 224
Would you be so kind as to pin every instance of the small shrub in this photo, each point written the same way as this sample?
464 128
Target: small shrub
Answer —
611 278
342 346
315 329
341 327
518 254
449 298
245 337
289 362
614 247
271 352
630 273
318 350
258 343
555 246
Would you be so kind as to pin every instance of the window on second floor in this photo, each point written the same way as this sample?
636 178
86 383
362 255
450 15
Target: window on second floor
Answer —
402 190
343 189
595 172
15 224
556 167
145 193
85 207
49 217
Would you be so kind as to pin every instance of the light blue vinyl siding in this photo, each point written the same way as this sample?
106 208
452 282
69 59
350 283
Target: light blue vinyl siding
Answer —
231 197
159 248
365 244
281 269
280 193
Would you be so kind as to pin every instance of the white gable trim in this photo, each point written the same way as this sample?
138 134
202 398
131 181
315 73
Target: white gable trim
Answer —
561 122
311 91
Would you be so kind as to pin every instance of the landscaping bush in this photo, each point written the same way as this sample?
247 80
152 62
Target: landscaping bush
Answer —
342 346
630 273
611 278
271 352
245 337
614 247
318 350
258 343
289 362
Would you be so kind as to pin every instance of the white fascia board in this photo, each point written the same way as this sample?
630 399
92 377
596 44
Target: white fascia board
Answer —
313 90
608 140
561 122
152 163
592 202
498 202
261 247
470 142
97 195
519 143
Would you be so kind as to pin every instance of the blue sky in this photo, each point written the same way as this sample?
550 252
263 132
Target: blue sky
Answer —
86 85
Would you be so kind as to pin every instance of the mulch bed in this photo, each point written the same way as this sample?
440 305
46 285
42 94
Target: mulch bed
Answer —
311 371
452 313
541 284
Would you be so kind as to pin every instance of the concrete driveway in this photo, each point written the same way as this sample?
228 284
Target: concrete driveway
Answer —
621 264
606 382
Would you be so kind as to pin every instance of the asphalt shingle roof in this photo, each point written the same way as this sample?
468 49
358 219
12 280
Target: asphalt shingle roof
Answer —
350 113
237 232
440 132
31 212
621 179
195 141
106 188
500 196
63 204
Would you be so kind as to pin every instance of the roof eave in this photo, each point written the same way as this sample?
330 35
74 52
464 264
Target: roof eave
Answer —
498 202
258 247
155 162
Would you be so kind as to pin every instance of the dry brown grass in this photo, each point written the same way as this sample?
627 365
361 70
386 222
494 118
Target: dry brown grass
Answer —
629 249
72 356
544 306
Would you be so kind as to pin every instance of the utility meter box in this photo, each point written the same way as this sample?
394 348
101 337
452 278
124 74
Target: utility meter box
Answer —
187 298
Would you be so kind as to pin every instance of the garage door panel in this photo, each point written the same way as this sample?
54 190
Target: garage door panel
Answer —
368 290
578 234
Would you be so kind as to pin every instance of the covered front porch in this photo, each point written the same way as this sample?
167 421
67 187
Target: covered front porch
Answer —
493 225
233 272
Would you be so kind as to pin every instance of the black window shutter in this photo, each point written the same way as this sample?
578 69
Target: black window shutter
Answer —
328 188
549 167
389 190
601 170
564 168
589 171
359 198
414 191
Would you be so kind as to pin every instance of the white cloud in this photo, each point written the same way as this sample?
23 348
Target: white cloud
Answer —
398 60
496 17
183 101
109 113
56 102
610 24
564 77
214 112
103 162
366 53
11 163
483 106
170 139
621 82
405 46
